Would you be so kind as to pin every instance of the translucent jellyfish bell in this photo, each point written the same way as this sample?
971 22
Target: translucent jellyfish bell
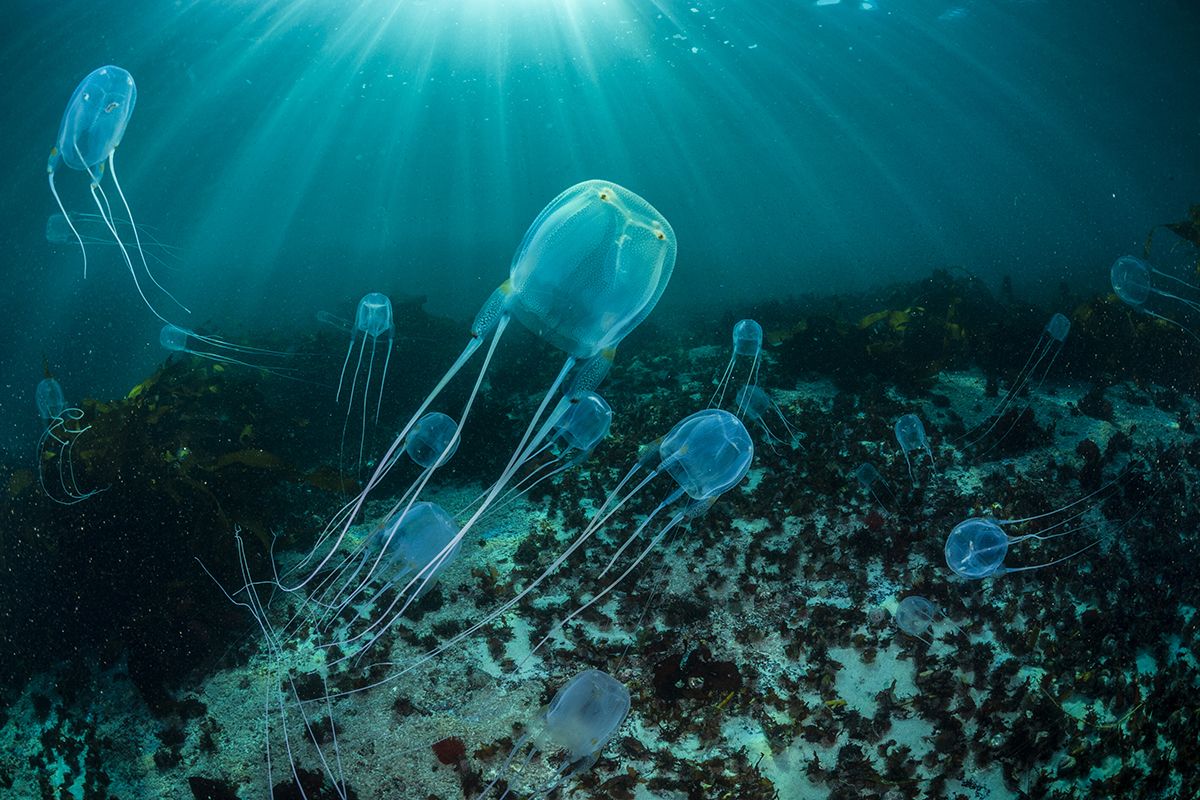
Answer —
372 319
747 342
976 547
1135 282
432 440
92 127
579 722
915 616
175 339
757 406
50 399
583 420
1037 367
910 435
414 539
591 267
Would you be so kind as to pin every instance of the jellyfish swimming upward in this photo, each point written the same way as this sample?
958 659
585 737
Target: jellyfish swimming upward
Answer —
92 127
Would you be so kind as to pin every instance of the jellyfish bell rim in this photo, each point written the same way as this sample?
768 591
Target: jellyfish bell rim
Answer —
606 329
964 548
676 443
1118 273
71 113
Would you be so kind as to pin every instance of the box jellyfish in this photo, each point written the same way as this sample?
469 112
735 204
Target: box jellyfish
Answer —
372 320
1037 367
910 435
56 445
92 127
747 343
578 723
1135 282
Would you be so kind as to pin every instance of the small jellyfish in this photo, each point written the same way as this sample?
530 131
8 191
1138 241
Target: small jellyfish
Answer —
868 478
579 722
433 440
410 542
92 229
747 342
579 423
1048 346
92 127
181 340
976 547
910 435
334 321
758 407
915 615
56 445
373 319
1135 282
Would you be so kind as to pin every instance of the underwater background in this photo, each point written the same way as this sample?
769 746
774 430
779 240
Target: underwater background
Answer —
902 194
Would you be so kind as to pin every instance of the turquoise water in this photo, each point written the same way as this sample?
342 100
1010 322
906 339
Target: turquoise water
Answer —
902 193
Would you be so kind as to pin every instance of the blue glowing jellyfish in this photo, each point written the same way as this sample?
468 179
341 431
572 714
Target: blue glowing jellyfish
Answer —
372 321
56 445
747 343
92 127
1137 283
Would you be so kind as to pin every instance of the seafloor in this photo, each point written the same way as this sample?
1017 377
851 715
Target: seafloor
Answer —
758 642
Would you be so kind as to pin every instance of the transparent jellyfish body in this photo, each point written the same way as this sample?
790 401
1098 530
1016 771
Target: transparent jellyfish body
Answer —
92 229
92 127
579 423
868 478
1137 283
395 551
334 321
915 616
756 405
1036 368
56 445
372 320
579 722
747 343
175 339
705 455
976 547
910 435
590 268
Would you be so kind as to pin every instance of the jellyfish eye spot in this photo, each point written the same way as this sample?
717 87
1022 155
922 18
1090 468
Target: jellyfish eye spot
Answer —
111 107
604 196
660 235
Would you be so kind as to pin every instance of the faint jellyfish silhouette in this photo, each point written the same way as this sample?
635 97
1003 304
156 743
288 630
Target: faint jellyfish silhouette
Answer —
868 478
747 342
915 615
213 348
50 399
1049 345
976 547
579 722
1133 281
401 547
56 445
588 271
580 423
757 406
92 127
334 321
910 435
372 319
92 229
